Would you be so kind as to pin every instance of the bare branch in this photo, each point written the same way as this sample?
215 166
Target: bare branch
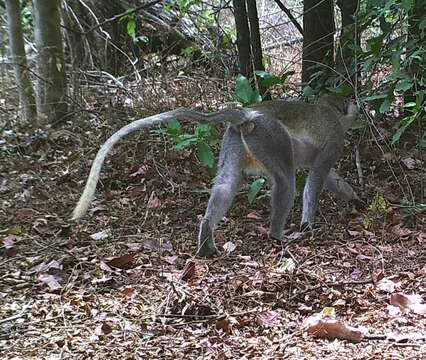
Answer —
290 16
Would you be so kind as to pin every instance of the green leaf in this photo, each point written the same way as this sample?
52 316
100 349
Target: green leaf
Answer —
375 44
410 209
263 73
243 90
384 108
396 60
403 85
143 39
343 90
308 91
404 124
410 104
257 98
174 127
420 96
187 51
375 97
359 124
205 154
201 130
300 183
254 189
268 79
398 75
131 28
186 141
407 5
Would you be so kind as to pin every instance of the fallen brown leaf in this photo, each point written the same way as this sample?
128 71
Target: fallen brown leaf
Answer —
153 202
128 292
224 325
10 241
122 262
334 329
268 318
400 231
103 329
51 281
407 303
253 216
189 271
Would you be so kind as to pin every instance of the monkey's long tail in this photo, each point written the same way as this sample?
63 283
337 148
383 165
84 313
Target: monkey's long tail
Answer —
234 116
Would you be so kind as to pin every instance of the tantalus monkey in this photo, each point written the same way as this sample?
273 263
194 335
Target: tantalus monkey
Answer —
274 138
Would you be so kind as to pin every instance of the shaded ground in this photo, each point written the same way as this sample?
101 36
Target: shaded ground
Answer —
124 283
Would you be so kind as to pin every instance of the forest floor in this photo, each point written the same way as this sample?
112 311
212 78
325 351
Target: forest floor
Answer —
124 282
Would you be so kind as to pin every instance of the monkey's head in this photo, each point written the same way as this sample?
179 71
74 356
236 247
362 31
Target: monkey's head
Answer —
342 104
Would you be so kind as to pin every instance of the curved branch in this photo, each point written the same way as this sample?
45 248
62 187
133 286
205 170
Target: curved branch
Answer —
290 16
126 13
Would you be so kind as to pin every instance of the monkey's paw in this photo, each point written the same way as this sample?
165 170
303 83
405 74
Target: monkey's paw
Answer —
206 246
208 251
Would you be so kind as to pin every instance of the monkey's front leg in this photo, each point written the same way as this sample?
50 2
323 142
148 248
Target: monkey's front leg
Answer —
223 192
311 194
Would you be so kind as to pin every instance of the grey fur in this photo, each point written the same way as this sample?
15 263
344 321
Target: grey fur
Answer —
277 137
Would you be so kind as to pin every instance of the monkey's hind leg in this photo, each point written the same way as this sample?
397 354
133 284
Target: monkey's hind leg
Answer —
223 192
317 176
340 187
270 143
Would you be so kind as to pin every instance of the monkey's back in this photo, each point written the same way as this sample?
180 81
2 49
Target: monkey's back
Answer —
299 116
311 127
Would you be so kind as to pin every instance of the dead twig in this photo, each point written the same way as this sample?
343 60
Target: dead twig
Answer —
333 284
17 316
359 171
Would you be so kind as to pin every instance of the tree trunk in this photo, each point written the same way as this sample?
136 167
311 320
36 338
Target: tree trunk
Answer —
256 45
413 40
318 37
51 90
348 36
243 37
19 59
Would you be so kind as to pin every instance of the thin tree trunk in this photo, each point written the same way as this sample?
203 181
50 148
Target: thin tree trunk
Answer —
19 59
413 34
243 37
348 36
51 90
318 37
256 45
